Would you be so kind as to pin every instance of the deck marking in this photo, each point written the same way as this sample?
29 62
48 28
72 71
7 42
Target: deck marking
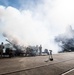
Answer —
68 72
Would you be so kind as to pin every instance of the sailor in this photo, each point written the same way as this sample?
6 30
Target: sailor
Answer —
40 50
1 49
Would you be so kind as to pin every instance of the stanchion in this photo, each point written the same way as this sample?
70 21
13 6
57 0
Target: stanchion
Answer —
50 56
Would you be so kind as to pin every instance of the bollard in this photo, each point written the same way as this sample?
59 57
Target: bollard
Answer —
50 56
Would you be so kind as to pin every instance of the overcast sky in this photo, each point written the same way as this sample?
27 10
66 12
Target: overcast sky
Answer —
35 21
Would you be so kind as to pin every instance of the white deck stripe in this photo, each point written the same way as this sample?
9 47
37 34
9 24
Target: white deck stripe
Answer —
68 72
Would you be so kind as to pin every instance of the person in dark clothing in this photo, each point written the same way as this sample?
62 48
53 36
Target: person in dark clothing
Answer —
1 49
40 50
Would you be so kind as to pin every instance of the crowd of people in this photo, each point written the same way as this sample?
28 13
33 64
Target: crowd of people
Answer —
38 50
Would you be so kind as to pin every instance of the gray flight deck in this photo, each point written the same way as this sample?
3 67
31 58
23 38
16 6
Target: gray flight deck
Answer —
61 65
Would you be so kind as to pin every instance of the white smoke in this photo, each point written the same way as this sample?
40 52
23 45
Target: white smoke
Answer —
40 25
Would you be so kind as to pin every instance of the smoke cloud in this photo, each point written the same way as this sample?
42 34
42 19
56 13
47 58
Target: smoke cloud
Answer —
66 40
39 25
